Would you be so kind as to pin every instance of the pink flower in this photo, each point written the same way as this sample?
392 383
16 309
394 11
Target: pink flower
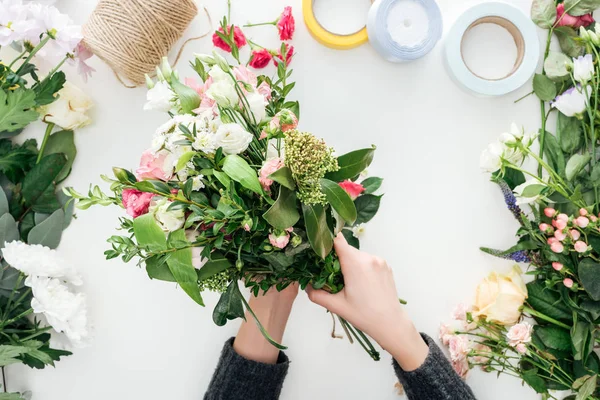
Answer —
593 218
557 266
461 367
286 24
267 169
238 38
265 90
549 212
580 246
263 135
521 348
279 241
544 227
352 188
81 54
583 212
135 202
568 282
560 224
284 120
460 312
519 333
245 75
564 19
551 240
582 222
445 333
575 234
560 235
155 166
562 217
247 227
483 353
459 347
260 58
289 50
557 247
193 83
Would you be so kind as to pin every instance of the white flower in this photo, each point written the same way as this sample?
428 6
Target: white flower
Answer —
38 260
158 142
169 221
65 35
197 183
358 230
508 148
14 24
160 97
197 260
573 101
69 110
218 75
583 68
204 142
257 104
224 93
64 310
232 138
519 190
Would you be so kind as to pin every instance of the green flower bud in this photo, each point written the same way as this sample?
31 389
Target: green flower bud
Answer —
206 59
239 264
584 34
268 247
149 81
166 69
296 241
159 75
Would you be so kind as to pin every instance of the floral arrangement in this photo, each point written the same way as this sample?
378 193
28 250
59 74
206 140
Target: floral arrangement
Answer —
546 331
230 190
34 279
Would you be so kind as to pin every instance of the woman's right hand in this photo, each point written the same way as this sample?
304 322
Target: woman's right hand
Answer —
369 301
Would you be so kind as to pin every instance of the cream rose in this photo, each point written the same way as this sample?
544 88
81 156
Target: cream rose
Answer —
69 110
499 297
232 138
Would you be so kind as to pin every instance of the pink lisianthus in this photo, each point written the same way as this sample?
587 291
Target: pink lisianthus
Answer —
461 367
260 58
238 38
155 166
193 83
136 203
459 347
564 19
352 188
265 90
245 75
286 24
519 333
279 241
267 169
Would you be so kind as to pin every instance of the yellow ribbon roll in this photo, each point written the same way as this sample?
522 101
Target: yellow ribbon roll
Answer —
329 39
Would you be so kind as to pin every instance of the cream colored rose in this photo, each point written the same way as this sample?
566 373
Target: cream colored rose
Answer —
499 297
69 110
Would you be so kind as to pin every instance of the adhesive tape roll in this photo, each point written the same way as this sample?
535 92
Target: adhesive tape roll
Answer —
524 34
404 30
330 39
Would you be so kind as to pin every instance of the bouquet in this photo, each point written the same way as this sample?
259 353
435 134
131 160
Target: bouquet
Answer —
231 190
34 279
546 331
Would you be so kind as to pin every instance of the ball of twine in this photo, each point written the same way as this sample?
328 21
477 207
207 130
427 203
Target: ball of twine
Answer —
132 36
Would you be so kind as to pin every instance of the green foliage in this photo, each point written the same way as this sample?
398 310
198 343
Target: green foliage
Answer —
62 142
589 274
284 212
580 7
48 232
544 87
543 13
180 265
46 90
16 160
371 184
38 185
547 301
229 306
339 200
189 99
569 133
239 170
352 164
17 109
319 235
148 233
554 337
366 207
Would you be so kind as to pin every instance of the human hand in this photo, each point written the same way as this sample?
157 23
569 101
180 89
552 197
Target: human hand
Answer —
369 301
273 310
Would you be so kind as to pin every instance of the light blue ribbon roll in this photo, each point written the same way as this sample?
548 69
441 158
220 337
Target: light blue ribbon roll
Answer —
404 30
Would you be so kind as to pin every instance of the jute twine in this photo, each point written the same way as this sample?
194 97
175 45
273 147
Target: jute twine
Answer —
132 36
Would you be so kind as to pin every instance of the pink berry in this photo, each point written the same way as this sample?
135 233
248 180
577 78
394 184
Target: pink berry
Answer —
557 266
562 217
580 246
583 211
562 224
557 247
568 282
582 222
560 235
549 212
575 234
552 240
593 218
544 227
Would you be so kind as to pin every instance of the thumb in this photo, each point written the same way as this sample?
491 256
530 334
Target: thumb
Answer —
344 251
333 302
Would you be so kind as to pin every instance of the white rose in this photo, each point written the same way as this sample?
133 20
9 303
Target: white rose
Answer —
257 105
499 297
160 97
573 101
169 221
232 138
224 93
491 158
69 110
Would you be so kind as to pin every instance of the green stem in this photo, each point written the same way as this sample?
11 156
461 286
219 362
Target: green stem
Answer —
260 326
17 59
33 52
38 333
44 142
545 317
543 104
18 317
261 24
53 70
228 10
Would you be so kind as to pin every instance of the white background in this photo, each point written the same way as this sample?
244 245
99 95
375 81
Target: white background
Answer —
152 342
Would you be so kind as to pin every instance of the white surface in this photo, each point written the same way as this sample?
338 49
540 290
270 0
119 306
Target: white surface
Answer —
495 65
152 342
408 23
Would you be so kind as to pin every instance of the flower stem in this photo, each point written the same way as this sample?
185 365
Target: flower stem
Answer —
17 59
44 142
260 24
545 317
33 52
543 104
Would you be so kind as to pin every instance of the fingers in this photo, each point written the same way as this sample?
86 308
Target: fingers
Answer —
332 302
344 251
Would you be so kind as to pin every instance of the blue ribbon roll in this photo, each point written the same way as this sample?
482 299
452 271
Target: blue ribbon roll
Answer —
404 30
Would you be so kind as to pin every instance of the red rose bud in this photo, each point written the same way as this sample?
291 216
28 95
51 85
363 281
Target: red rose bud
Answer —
564 19
260 58
286 24
238 38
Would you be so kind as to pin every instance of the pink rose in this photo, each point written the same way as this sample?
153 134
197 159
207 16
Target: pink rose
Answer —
521 348
564 19
279 241
549 212
265 90
557 266
245 75
352 188
568 282
260 58
580 246
286 24
446 333
238 38
267 169
155 166
461 367
519 333
460 312
459 347
135 202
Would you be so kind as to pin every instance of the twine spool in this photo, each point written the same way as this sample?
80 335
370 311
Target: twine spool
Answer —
132 36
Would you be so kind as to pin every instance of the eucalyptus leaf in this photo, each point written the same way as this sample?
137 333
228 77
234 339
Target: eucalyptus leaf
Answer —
284 212
543 13
49 232
557 66
9 230
576 164
544 87
3 202
68 206
339 200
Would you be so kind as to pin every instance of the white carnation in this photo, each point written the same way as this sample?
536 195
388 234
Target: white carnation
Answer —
232 138
168 220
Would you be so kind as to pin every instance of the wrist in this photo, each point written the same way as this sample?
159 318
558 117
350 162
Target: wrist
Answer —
404 342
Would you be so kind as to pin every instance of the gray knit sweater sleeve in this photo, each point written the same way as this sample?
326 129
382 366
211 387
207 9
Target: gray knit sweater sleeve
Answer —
435 379
239 378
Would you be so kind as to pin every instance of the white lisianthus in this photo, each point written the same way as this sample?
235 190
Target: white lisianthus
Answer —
158 143
160 97
232 138
257 104
573 102
583 68
38 260
224 93
168 220
197 183
359 230
519 192
69 110
204 142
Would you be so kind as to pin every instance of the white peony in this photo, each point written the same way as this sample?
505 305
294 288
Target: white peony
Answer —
518 191
257 104
232 138
573 102
69 110
160 97
583 68
168 220
41 261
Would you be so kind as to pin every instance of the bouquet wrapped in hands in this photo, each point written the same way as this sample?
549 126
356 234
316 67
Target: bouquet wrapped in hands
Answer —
230 189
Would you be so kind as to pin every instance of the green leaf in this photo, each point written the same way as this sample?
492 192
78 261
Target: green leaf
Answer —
230 305
569 41
284 212
238 169
3 202
15 160
68 205
339 200
157 268
580 7
557 66
366 207
371 184
543 13
589 275
217 264
17 109
547 302
222 177
184 159
569 133
9 354
554 154
48 87
533 190
535 381
554 337
593 307
62 142
11 396
581 336
319 235
48 233
575 164
180 264
352 164
148 233
284 177
544 87
279 261
188 97
587 389
42 177
350 238
9 230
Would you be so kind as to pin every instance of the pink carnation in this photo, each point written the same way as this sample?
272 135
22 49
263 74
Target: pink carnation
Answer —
458 346
460 312
136 203
155 166
519 333
564 19
286 24
352 188
238 38
461 367
260 58
267 169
